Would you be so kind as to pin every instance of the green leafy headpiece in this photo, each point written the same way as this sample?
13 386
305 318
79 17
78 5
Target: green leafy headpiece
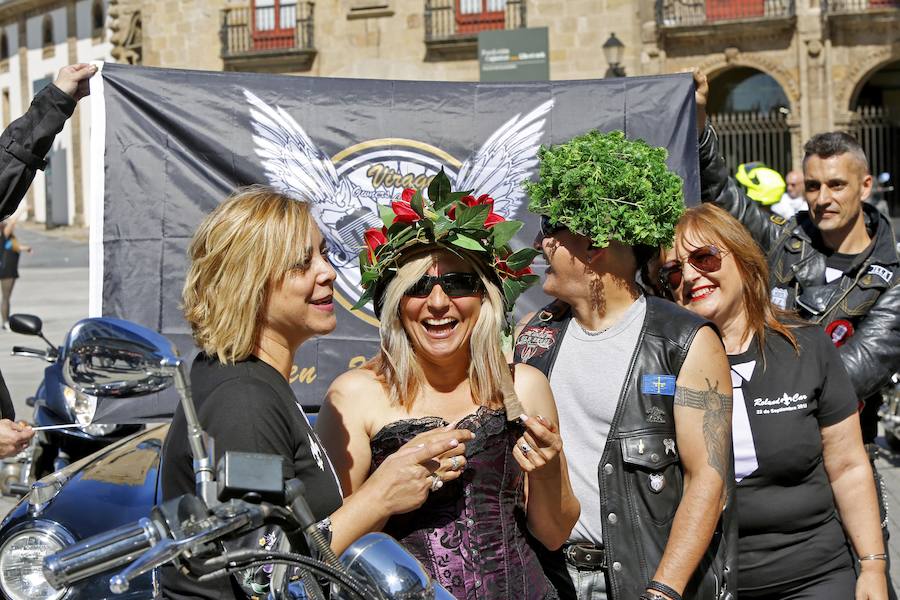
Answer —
607 187
457 221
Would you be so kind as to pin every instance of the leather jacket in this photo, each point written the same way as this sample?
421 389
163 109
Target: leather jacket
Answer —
866 297
25 143
640 476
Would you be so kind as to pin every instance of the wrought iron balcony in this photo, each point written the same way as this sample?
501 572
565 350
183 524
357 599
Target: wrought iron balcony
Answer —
272 38
672 14
451 31
851 7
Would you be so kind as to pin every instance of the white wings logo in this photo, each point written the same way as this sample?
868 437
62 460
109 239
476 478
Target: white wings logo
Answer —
346 189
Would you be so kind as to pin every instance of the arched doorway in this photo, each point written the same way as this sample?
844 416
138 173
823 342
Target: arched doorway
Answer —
749 110
877 126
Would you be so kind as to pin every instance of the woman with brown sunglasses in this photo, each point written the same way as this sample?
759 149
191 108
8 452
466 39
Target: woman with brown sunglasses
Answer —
800 466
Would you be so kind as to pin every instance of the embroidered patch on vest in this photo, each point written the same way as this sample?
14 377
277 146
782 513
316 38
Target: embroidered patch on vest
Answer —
882 272
661 385
534 341
654 415
780 297
840 331
778 220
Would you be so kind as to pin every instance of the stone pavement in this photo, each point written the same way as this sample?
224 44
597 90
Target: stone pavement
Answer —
53 285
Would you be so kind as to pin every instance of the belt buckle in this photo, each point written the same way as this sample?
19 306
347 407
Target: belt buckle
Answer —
572 551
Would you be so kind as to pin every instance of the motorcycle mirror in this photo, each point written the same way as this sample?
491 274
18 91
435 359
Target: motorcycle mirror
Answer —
380 560
112 358
115 358
26 324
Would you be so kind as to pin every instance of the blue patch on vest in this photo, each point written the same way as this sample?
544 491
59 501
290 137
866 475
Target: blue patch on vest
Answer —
661 385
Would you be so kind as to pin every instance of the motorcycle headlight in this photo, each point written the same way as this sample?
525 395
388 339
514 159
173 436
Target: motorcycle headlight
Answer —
82 406
100 429
21 565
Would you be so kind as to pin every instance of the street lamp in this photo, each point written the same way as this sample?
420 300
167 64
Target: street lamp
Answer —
613 49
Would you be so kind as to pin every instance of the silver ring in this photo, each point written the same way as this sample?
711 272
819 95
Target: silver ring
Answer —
525 448
436 482
455 463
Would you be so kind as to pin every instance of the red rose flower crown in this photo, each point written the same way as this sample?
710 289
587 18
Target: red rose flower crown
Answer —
453 220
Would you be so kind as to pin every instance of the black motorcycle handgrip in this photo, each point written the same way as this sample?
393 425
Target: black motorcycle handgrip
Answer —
100 553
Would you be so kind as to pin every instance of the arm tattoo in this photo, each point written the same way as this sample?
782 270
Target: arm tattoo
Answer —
716 422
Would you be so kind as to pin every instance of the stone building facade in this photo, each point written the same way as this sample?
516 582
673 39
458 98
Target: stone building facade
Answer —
824 57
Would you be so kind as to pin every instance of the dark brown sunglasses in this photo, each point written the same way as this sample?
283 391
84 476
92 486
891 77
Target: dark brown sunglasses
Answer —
706 259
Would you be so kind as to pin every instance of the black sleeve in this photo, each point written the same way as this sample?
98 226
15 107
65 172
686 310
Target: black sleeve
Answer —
717 186
7 410
872 354
246 415
25 143
837 400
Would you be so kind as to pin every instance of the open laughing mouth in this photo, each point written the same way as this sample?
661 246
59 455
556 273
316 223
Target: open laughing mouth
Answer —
439 328
702 292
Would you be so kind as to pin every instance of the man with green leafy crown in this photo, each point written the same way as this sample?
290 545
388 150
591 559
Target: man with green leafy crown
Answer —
642 385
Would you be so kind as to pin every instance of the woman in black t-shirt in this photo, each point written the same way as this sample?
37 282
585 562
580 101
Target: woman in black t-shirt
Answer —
259 285
800 466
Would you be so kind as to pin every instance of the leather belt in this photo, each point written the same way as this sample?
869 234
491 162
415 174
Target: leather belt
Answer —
584 556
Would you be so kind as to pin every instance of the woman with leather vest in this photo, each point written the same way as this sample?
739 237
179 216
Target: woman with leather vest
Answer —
805 493
441 368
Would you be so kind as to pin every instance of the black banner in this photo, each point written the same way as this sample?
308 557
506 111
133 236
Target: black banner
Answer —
177 142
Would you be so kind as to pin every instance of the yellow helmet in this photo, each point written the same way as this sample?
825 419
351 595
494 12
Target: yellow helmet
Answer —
763 184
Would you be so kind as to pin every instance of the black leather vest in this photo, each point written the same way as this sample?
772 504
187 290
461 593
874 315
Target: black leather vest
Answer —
640 476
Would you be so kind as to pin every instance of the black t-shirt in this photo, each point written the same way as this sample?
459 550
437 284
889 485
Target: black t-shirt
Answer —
248 407
785 505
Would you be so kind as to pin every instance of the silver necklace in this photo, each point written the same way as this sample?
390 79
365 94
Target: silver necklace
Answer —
588 332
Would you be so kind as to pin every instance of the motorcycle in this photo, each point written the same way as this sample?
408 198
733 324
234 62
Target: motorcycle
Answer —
66 414
111 359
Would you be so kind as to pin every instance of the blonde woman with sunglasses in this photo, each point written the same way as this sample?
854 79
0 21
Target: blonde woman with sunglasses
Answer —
441 368
805 493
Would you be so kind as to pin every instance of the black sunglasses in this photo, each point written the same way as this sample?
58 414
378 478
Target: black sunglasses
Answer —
707 259
548 228
455 285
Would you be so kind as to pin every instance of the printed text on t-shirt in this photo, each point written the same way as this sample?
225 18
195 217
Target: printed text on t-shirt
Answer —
784 403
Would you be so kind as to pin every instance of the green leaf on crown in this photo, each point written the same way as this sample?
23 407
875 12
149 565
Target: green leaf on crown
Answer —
442 226
387 215
521 258
450 199
418 203
439 188
471 217
512 289
503 232
464 241
364 299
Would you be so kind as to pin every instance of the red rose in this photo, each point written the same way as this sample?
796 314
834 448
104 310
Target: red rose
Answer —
403 210
504 268
492 218
375 238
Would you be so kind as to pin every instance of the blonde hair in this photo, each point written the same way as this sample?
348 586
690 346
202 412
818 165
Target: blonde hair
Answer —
253 238
396 363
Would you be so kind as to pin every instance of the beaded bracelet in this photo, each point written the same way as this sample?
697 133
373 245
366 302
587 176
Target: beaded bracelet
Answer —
664 589
872 557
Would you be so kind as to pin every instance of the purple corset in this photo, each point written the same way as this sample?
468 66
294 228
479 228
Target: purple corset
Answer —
470 534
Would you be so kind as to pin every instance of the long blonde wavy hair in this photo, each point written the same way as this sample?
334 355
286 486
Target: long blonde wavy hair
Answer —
253 238
396 364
